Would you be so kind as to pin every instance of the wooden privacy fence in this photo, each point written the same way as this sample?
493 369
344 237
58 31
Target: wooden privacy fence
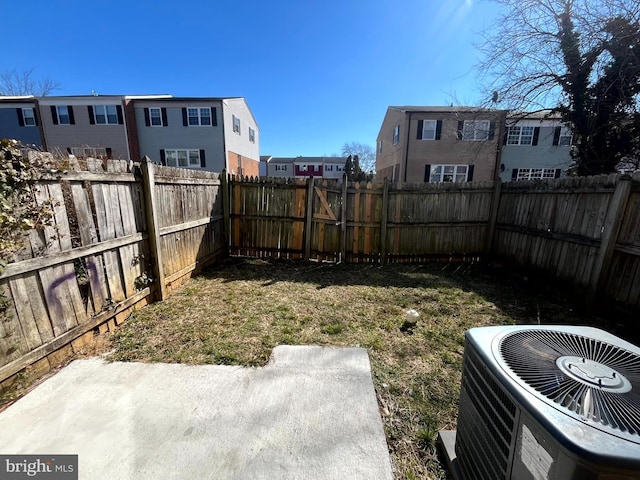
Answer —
359 222
584 230
121 231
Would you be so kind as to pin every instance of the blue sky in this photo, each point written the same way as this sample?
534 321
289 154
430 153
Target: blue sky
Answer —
316 74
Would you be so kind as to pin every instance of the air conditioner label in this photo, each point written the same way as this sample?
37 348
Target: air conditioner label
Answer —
533 455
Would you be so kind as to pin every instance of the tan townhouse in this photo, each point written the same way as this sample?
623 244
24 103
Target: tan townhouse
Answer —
439 144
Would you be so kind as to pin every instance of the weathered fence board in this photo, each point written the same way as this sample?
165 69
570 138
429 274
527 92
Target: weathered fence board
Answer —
88 267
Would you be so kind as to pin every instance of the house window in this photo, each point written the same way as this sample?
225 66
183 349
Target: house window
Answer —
236 124
89 152
520 135
476 130
448 173
252 135
281 168
565 137
105 114
380 146
328 168
339 168
63 115
199 117
28 117
535 173
155 117
186 158
396 135
303 168
429 129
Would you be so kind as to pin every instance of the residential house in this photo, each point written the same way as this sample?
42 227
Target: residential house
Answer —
88 126
208 133
535 146
439 144
303 167
20 120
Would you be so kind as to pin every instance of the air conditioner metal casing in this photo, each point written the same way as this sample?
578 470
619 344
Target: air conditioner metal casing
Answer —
508 431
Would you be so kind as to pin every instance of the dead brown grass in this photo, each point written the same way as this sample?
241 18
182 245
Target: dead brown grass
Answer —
237 312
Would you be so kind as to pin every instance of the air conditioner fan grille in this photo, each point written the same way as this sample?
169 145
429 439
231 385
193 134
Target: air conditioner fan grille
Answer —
603 386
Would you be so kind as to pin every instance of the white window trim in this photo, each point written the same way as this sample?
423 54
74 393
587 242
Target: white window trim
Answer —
565 133
474 124
89 152
396 135
281 168
199 116
60 122
151 117
535 173
188 152
31 117
511 136
425 129
457 170
252 135
106 114
236 125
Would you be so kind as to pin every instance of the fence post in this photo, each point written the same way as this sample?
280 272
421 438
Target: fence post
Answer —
226 208
493 216
148 186
309 219
383 222
612 223
343 220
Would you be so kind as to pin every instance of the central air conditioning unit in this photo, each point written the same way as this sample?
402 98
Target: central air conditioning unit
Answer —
548 403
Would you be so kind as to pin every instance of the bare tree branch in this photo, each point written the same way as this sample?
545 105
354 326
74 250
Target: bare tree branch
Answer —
16 83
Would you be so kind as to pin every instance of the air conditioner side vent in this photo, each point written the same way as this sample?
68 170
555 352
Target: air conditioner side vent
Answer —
486 419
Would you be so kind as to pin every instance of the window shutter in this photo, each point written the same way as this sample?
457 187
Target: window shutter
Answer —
427 173
203 163
147 118
184 118
558 172
92 119
536 135
119 112
72 119
20 117
35 116
470 173
556 136
420 127
438 129
163 160
108 152
54 114
460 129
505 136
214 117
514 174
163 111
492 130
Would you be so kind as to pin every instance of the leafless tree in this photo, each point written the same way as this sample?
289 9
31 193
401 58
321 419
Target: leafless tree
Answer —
578 57
365 154
17 83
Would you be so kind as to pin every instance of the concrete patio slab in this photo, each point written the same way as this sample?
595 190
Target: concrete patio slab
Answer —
310 414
